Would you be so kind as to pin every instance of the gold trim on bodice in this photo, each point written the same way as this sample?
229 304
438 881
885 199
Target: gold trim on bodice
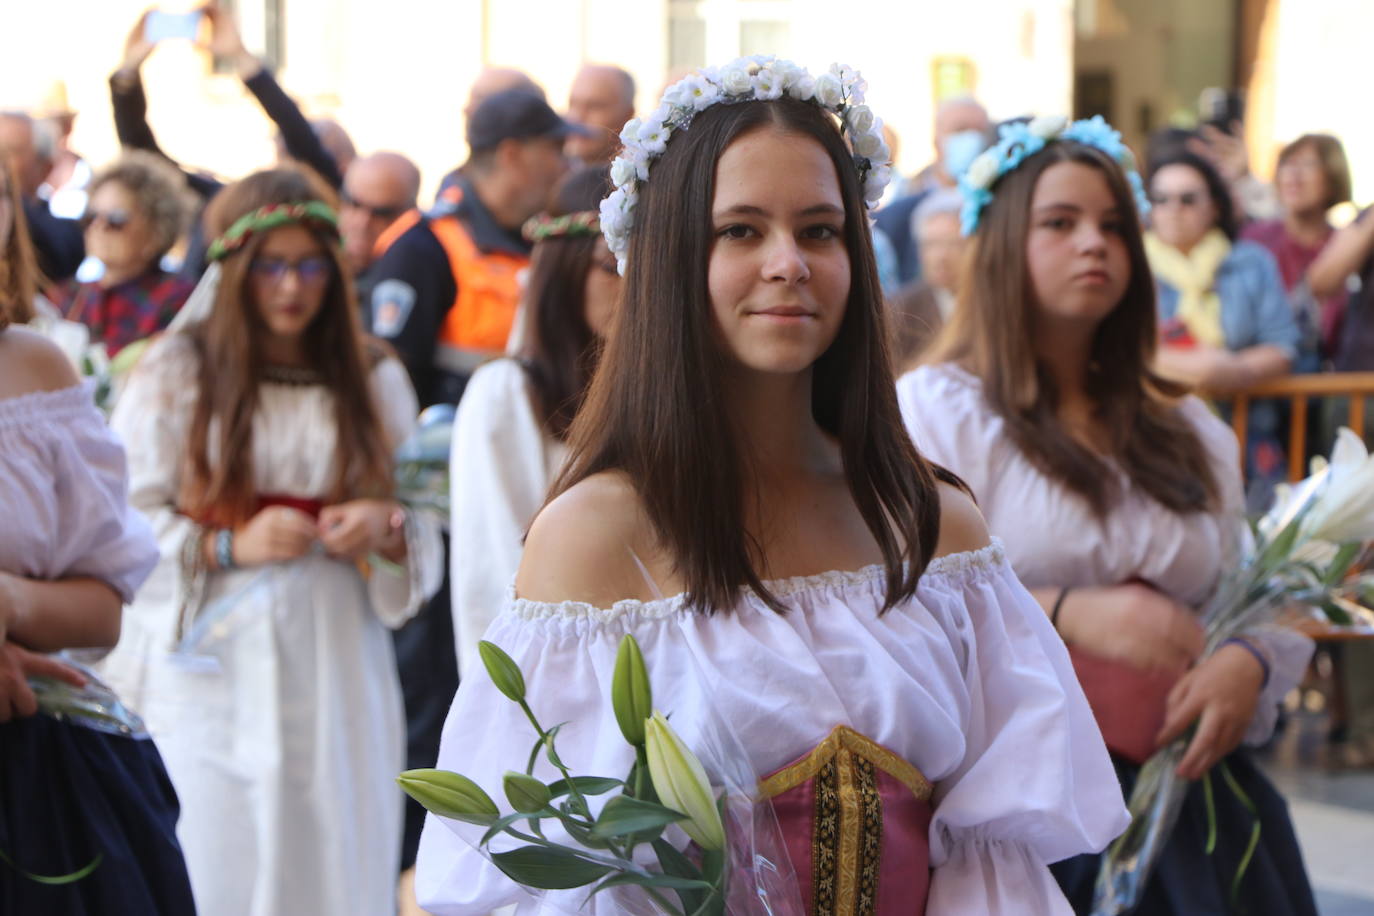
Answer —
846 841
845 738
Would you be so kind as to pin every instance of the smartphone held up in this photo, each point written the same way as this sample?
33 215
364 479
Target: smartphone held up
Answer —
161 25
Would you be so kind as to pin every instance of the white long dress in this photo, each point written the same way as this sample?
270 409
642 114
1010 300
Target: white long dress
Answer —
501 465
966 681
1052 536
272 692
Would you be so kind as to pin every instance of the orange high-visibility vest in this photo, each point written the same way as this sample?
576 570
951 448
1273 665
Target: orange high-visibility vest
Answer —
480 319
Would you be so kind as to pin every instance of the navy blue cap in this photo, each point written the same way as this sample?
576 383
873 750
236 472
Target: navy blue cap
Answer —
516 114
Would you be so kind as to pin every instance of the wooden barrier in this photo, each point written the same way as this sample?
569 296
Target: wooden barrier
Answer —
1297 389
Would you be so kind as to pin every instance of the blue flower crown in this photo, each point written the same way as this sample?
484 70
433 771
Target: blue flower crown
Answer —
1018 141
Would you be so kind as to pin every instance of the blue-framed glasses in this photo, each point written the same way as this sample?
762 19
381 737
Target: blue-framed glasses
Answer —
311 271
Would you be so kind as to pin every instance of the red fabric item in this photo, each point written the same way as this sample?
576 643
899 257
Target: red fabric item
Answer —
1128 702
1294 259
310 507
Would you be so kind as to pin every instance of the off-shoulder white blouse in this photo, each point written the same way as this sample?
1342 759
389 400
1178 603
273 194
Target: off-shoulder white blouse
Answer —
967 681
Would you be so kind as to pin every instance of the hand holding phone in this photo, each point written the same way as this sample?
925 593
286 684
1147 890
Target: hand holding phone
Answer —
160 25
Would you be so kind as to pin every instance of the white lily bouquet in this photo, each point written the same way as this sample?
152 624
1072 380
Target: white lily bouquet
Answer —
1303 551
623 847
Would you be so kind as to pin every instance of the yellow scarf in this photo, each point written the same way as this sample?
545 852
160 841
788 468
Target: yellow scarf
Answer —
1194 276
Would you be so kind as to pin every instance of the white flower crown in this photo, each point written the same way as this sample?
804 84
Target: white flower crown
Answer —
839 91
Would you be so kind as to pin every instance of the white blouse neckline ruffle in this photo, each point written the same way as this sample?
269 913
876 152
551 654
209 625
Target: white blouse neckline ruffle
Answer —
955 568
42 405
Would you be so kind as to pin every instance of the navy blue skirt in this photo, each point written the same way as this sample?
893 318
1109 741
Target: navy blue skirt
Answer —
70 793
1190 882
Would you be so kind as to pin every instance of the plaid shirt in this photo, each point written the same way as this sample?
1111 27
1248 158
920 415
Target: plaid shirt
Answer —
127 312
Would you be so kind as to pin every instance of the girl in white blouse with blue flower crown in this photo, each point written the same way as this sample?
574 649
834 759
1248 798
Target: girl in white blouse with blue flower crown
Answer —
835 599
1119 498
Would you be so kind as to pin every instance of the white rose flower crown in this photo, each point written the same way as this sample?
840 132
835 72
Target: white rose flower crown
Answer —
839 91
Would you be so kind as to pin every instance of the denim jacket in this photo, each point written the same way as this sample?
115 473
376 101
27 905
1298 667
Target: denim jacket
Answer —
1254 307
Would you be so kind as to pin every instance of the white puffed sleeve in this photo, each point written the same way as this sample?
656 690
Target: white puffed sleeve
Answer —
397 592
1035 784
67 479
500 474
153 419
567 664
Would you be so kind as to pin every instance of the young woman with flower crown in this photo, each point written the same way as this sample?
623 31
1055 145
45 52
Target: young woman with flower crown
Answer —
1117 494
835 598
260 436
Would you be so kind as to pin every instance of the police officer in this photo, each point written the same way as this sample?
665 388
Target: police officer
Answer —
446 289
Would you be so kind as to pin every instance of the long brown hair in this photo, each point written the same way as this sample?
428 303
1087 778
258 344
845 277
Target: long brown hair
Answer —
560 351
229 344
990 335
19 276
656 412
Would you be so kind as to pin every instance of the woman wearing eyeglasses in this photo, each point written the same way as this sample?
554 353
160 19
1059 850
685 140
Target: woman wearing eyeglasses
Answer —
137 209
1226 323
510 438
260 437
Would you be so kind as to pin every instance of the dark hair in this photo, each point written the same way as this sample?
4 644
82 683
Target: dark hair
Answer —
1217 188
655 408
1335 165
990 336
560 351
228 344
19 274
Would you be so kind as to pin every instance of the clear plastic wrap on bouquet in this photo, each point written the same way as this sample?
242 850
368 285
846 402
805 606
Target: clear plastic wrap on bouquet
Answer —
1303 550
94 705
656 870
422 462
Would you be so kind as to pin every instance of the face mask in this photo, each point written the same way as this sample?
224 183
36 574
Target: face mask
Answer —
959 150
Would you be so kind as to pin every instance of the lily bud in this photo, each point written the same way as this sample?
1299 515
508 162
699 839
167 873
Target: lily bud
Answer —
525 793
681 783
449 794
631 697
504 673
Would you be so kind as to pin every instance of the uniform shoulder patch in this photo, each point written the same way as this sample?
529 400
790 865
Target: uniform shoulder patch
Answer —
392 301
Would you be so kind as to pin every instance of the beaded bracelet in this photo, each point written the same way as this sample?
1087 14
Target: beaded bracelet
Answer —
224 549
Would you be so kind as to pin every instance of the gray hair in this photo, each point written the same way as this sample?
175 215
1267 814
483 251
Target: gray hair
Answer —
937 202
159 191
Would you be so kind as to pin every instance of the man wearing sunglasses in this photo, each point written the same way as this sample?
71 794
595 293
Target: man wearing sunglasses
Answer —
377 190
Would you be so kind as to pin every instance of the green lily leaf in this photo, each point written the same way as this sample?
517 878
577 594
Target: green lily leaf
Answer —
56 880
624 815
548 868
587 785
1340 564
667 881
552 754
676 864
510 819
1337 614
582 833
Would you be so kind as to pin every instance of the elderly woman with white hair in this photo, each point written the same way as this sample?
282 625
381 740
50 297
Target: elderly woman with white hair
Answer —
920 308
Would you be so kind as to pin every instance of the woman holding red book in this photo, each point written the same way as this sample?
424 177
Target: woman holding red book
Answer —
1118 497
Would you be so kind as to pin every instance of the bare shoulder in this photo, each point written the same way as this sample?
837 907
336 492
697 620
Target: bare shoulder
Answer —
962 526
583 545
32 362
